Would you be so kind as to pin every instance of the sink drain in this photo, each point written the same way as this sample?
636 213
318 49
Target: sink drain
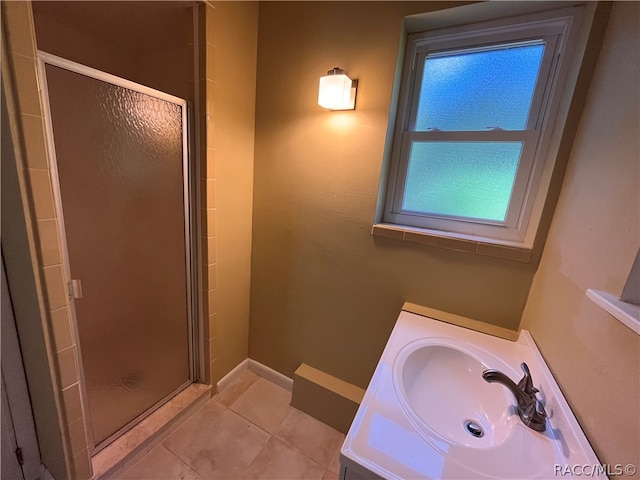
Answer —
473 429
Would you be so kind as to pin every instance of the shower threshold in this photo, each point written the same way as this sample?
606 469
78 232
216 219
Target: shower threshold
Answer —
130 447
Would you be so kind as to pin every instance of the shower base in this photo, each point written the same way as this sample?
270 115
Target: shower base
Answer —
130 447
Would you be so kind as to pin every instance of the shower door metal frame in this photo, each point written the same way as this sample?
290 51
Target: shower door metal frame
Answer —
43 59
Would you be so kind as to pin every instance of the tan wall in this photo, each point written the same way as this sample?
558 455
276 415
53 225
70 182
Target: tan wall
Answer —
593 240
235 35
323 291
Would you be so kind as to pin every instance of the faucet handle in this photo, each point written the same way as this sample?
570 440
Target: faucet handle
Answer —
526 384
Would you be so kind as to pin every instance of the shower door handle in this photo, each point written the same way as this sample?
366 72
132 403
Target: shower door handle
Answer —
75 289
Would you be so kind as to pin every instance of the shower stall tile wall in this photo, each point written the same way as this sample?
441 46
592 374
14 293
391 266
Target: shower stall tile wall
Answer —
25 114
61 418
206 145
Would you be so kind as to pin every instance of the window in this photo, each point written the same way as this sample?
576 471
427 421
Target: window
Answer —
473 143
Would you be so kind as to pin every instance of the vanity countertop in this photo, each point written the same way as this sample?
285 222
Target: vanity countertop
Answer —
387 441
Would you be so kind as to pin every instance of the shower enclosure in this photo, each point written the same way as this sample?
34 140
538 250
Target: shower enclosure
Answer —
120 171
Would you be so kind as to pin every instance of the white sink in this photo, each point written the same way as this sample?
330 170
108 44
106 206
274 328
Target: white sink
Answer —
440 386
429 414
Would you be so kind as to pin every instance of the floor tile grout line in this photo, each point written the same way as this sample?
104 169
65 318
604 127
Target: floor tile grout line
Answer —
181 460
277 429
230 407
274 435
176 453
338 448
261 428
326 467
225 409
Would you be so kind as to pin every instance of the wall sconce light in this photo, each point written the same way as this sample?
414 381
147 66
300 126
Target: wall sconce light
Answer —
337 91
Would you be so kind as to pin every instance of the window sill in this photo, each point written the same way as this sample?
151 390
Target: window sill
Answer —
627 313
461 243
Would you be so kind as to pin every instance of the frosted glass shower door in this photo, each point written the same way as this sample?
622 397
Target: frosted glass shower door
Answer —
120 155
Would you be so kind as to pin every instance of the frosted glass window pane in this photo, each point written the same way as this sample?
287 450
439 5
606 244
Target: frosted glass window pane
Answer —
479 90
461 179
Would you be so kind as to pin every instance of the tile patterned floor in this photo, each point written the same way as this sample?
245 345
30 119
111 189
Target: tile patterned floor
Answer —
248 431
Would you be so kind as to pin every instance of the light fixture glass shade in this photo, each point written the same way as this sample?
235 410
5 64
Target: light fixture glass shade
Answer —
336 91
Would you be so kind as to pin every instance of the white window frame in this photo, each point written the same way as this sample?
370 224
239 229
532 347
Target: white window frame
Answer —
563 32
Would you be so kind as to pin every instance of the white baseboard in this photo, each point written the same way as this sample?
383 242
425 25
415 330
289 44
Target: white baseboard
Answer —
232 375
259 369
271 375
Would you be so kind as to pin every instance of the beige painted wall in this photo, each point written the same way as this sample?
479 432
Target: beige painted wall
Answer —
593 240
323 291
235 39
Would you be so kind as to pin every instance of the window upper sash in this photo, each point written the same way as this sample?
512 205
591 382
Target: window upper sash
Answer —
537 110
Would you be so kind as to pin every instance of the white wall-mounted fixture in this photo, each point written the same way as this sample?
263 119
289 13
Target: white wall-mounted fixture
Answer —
337 91
627 313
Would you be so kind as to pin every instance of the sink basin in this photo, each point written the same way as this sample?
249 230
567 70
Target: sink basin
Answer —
428 414
440 386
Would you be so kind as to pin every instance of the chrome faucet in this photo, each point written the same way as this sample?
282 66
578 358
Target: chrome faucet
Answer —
530 409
